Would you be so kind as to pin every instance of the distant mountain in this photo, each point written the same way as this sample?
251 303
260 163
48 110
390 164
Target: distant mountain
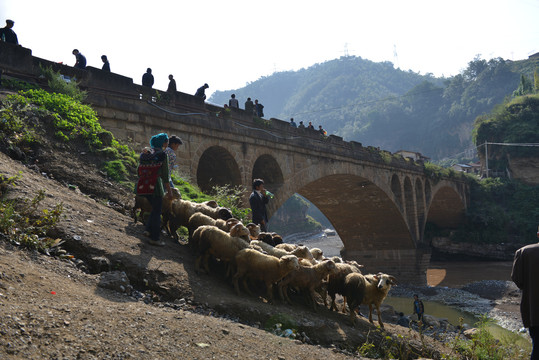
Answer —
378 105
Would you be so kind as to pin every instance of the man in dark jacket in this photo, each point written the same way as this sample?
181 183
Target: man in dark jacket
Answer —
147 78
7 34
524 275
258 201
81 59
201 91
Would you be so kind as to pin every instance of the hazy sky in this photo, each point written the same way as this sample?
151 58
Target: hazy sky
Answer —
230 43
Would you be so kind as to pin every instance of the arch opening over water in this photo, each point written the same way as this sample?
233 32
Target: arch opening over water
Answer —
363 215
217 167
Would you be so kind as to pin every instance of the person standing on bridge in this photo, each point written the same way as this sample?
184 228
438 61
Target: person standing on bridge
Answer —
171 85
147 78
233 102
106 64
249 106
7 34
258 200
524 275
259 109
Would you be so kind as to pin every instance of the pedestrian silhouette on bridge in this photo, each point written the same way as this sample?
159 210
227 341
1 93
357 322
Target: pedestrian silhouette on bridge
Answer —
106 64
249 106
147 78
201 91
7 34
81 59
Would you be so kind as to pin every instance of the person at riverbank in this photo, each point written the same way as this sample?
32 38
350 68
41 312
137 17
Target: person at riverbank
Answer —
419 309
524 275
258 200
153 180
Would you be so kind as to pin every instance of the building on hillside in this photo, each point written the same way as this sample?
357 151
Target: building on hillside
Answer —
412 155
534 56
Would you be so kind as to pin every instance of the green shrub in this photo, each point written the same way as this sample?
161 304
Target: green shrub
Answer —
115 169
58 85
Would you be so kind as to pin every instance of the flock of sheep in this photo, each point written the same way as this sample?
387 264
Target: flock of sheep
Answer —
248 254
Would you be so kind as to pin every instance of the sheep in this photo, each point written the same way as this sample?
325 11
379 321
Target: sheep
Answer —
199 219
143 203
272 239
335 283
317 253
287 247
300 251
257 266
254 230
368 290
306 278
182 210
220 244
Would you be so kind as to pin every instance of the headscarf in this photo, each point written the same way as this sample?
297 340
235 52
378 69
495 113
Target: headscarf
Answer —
157 141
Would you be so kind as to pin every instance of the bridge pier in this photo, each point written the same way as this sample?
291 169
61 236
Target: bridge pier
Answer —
407 265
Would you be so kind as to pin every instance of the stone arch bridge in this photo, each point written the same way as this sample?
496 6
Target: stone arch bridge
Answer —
379 203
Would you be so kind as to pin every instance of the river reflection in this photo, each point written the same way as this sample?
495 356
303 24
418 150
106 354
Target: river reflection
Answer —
456 274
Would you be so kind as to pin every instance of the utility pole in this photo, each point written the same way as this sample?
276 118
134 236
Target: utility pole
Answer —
486 156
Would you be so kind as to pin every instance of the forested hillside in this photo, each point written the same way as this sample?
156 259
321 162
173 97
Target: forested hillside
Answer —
375 104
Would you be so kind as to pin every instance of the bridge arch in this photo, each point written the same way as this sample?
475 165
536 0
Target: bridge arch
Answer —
362 213
446 208
217 166
267 168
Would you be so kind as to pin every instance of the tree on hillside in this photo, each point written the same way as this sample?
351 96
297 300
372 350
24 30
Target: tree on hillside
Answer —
525 86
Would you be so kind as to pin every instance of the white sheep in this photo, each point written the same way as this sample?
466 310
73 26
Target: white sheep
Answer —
301 251
252 264
317 253
182 210
306 278
198 219
254 230
215 242
368 290
287 247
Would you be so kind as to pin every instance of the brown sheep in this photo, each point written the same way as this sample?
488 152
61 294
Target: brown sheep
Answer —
254 265
336 282
254 231
182 210
368 290
300 251
306 278
142 203
220 244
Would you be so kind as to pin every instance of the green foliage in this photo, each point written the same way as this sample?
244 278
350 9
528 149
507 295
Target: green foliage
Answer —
22 222
230 197
286 322
525 86
116 170
17 85
72 121
388 347
377 104
500 210
483 345
59 85
437 172
515 121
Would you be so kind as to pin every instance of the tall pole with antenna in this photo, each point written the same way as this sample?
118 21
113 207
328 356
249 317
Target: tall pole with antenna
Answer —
486 156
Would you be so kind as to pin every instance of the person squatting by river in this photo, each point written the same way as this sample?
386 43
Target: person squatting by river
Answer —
153 172
524 275
419 309
258 200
